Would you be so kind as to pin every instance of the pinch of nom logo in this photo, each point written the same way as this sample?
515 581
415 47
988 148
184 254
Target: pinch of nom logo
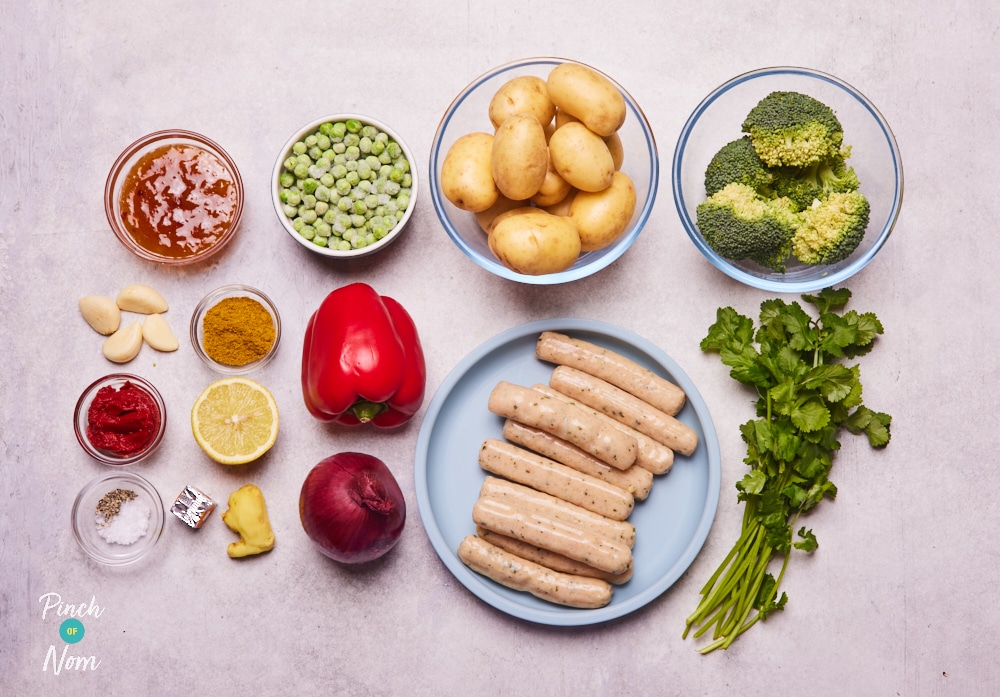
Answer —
71 632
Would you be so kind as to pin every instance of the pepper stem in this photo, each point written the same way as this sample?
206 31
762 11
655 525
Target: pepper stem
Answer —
366 411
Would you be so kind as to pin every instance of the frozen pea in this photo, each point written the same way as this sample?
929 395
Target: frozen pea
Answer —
396 174
303 159
364 185
289 210
353 152
370 239
352 140
360 207
301 171
343 186
315 153
373 163
322 141
344 204
309 186
379 231
353 125
403 164
321 207
293 198
298 224
310 140
384 170
368 131
378 147
299 148
383 199
358 220
384 158
392 147
365 144
307 231
339 148
322 192
352 165
315 172
358 242
338 129
353 178
323 164
286 179
322 228
309 216
403 200
290 162
328 154
407 181
392 188
389 221
364 169
319 241
326 128
330 217
327 180
339 171
371 201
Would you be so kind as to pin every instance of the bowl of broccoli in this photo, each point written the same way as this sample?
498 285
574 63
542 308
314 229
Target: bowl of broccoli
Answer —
787 179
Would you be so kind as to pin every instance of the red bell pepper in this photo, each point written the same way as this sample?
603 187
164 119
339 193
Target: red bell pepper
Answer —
362 361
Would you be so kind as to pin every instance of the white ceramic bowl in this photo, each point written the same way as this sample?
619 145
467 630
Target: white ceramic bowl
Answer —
469 112
874 156
287 223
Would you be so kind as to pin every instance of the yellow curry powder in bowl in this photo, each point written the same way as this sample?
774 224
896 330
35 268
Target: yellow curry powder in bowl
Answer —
235 329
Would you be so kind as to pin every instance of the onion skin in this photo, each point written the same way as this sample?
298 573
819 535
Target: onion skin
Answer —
352 508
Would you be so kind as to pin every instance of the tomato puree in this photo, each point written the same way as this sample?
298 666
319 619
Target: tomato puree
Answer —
178 200
122 421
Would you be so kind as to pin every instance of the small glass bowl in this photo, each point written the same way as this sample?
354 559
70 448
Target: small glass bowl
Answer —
874 156
235 290
469 112
84 518
286 223
128 160
80 419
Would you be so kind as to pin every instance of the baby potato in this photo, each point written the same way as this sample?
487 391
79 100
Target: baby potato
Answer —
562 208
527 94
587 95
466 177
562 118
614 143
535 242
581 157
519 158
487 219
553 189
602 216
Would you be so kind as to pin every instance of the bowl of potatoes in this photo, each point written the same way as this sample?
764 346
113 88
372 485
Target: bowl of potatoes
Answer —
543 170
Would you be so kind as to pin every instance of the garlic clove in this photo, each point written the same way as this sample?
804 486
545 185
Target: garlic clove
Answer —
124 344
157 333
101 313
141 298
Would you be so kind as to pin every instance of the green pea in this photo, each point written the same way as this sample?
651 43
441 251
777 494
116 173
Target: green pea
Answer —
298 224
364 169
289 210
301 171
393 149
338 130
319 241
339 171
321 207
290 162
353 152
322 228
339 148
365 144
352 139
310 140
286 179
407 181
327 179
299 148
314 152
343 186
308 231
309 216
309 185
358 220
323 141
330 217
378 147
326 128
352 178
293 198
396 174
353 125
344 204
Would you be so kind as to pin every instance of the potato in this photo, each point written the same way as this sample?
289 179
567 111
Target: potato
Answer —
535 242
553 190
466 177
486 219
562 118
527 94
562 208
520 157
587 95
601 217
521 208
581 157
614 143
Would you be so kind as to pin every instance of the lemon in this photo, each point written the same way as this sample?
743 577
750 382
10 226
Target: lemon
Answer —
235 420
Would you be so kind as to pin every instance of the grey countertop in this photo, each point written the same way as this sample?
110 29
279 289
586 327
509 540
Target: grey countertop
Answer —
899 599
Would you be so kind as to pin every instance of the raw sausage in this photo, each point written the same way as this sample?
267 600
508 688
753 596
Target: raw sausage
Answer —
635 479
625 408
650 454
612 367
523 575
566 421
550 560
541 473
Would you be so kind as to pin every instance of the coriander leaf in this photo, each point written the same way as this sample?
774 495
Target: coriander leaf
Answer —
808 542
829 299
810 415
752 482
873 424
833 381
731 330
837 335
802 334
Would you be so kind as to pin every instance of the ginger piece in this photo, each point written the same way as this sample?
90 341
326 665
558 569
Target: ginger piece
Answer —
247 515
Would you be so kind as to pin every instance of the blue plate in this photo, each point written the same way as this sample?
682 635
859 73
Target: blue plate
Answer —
671 524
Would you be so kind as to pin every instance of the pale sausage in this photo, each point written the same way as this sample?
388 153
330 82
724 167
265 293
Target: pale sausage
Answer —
550 560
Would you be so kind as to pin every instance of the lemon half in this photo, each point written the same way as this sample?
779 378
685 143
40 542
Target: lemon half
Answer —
235 420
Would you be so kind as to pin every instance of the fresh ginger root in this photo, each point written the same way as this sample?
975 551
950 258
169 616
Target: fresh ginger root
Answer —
247 515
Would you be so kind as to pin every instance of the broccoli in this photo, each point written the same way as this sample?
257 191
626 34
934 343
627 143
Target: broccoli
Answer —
738 224
831 229
793 129
807 184
738 162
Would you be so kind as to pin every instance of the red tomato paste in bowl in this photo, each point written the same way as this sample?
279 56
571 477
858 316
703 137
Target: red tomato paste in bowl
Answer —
122 421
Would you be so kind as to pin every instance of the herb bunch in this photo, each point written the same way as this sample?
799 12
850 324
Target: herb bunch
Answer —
806 396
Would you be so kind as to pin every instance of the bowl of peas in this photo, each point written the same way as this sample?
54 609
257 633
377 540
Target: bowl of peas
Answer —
344 185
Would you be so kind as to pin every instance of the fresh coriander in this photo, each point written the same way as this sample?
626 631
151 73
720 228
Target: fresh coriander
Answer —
805 397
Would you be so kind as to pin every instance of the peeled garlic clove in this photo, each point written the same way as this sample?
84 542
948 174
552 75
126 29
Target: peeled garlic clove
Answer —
158 334
140 298
124 344
101 313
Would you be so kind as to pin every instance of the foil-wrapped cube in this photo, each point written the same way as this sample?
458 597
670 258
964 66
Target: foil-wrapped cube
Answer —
193 506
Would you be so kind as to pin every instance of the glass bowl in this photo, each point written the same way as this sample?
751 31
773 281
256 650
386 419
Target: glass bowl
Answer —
469 113
287 223
213 168
81 419
233 330
86 527
874 157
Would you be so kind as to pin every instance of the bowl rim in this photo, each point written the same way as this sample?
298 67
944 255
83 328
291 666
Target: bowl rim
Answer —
803 286
209 301
326 251
608 256
116 175
157 521
83 405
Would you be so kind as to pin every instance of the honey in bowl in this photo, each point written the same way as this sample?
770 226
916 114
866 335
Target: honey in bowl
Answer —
174 197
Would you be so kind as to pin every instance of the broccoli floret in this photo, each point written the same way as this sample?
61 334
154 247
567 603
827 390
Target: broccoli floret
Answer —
793 129
831 229
807 184
738 162
740 224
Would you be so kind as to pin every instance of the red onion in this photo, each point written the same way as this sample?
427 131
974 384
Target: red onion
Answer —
352 508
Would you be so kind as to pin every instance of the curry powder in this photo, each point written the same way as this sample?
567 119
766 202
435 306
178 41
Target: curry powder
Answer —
237 331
